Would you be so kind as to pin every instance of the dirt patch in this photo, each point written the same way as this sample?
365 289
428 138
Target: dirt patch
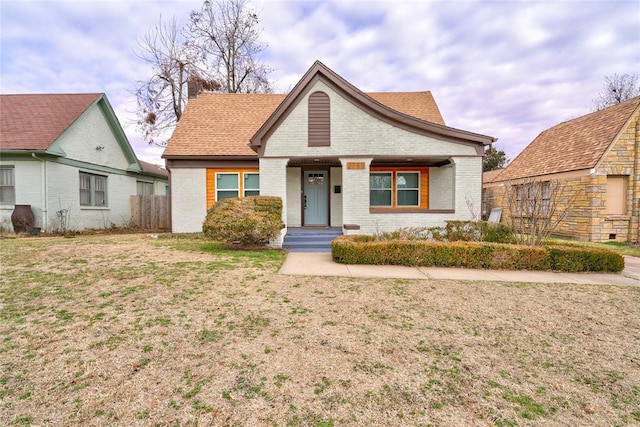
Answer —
139 330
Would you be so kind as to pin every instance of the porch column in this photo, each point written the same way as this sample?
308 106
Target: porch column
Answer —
468 187
273 182
355 192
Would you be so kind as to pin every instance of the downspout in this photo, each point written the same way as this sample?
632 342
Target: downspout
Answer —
634 224
45 204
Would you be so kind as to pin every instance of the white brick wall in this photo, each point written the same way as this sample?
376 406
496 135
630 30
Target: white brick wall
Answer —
336 199
354 132
91 129
294 191
441 187
188 200
461 181
355 193
468 187
273 182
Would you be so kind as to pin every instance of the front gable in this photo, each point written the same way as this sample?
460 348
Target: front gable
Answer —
96 138
355 130
359 125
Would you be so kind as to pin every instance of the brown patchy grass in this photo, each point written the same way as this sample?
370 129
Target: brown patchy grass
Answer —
133 330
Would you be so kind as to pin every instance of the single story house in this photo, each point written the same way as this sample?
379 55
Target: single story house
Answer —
67 157
338 157
596 160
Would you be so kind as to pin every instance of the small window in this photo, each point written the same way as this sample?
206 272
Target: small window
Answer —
251 184
93 190
546 196
144 188
227 186
616 195
380 189
7 185
408 188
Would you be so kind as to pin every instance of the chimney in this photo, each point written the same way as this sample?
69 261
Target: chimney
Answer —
193 89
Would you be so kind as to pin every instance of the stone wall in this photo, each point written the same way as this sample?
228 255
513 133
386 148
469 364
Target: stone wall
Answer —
586 193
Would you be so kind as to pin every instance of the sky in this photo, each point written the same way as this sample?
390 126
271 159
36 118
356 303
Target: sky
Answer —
508 69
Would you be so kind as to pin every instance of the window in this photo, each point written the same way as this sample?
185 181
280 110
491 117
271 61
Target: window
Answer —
546 196
394 189
93 190
227 186
616 195
7 185
380 189
251 184
319 118
533 198
408 188
144 188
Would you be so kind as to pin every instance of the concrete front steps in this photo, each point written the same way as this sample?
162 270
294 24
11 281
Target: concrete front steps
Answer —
310 239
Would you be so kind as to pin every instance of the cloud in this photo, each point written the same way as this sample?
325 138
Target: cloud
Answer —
509 69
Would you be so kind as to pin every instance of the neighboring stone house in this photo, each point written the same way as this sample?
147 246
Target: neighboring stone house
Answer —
67 157
336 156
596 157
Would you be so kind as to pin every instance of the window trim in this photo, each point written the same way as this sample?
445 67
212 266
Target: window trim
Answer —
394 206
397 193
390 189
244 186
92 190
145 184
237 189
12 186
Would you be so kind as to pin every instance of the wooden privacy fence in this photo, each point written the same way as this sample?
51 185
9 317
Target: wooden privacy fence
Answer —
150 212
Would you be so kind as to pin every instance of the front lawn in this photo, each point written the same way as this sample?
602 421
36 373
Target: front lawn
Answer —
164 330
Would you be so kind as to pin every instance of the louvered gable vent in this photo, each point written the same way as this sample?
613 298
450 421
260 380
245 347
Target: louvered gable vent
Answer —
319 120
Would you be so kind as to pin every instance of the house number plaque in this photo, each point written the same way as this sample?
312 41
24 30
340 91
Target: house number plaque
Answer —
355 165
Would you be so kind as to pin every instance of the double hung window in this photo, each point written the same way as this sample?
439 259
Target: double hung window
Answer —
7 185
227 185
93 190
251 184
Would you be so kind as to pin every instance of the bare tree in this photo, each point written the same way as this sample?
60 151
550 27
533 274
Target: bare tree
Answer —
218 50
617 88
161 99
226 33
536 208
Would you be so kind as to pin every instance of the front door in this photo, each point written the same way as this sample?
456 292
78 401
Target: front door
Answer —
315 198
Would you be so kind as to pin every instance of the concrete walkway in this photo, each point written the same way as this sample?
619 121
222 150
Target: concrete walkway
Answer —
321 264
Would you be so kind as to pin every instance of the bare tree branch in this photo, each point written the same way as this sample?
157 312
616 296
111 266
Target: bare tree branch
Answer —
536 207
226 31
617 88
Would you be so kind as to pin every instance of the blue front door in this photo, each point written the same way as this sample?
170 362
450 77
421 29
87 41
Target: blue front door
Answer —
316 198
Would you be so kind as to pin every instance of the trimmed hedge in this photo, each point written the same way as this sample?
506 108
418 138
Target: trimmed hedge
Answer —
361 249
249 220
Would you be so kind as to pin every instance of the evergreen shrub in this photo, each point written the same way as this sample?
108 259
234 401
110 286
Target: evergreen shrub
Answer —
248 221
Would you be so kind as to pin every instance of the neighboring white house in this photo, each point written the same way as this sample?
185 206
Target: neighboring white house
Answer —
67 157
336 156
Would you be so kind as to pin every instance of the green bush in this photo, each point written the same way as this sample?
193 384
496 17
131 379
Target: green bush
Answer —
453 231
248 221
497 232
489 255
573 258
